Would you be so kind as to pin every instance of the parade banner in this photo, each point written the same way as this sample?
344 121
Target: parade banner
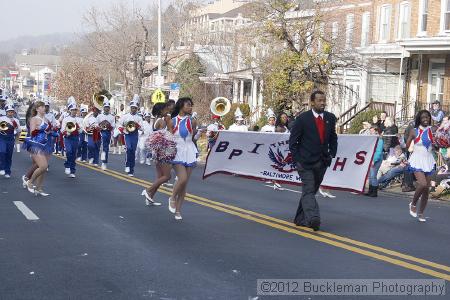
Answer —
266 156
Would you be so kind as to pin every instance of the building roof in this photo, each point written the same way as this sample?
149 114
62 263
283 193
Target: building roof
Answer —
43 60
219 7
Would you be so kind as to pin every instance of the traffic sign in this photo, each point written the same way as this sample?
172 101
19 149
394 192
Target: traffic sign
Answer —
174 91
159 80
158 96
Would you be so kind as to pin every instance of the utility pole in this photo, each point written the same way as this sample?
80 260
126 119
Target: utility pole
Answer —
159 39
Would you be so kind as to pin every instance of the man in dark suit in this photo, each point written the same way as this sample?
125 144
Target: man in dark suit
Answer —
313 144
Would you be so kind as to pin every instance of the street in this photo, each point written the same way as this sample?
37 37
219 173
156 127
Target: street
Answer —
95 239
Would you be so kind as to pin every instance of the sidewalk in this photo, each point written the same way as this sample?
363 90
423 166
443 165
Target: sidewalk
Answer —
397 190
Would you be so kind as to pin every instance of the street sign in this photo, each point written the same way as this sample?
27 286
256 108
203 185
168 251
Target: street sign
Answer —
174 91
158 96
159 80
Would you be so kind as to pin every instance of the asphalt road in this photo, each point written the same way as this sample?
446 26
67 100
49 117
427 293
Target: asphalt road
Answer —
95 238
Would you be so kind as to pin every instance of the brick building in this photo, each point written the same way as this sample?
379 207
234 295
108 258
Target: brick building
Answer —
408 55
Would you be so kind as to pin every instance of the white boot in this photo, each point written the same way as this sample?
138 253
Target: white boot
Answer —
114 150
103 155
148 162
120 149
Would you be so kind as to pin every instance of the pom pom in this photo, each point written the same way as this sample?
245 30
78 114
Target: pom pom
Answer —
161 145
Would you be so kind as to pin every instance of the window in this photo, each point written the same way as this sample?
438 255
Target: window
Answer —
446 15
437 87
423 17
335 30
365 29
436 81
349 31
404 21
384 23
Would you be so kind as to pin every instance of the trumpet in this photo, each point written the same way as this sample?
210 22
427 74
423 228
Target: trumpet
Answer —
70 127
131 126
220 106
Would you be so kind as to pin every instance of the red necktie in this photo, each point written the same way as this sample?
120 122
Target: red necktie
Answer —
321 128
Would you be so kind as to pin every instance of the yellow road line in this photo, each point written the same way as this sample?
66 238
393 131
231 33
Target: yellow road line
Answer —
290 224
291 228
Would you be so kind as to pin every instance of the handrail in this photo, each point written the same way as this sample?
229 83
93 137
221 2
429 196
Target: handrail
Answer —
357 113
348 110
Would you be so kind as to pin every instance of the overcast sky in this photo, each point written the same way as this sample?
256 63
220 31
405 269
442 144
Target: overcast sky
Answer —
36 17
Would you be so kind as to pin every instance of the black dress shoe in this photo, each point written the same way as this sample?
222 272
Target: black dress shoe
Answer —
315 224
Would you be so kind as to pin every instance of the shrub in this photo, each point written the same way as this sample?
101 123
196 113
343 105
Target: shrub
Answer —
357 123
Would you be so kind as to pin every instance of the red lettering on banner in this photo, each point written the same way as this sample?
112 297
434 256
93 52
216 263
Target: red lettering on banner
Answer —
360 157
340 164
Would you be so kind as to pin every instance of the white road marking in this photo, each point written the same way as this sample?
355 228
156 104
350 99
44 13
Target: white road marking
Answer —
26 211
282 189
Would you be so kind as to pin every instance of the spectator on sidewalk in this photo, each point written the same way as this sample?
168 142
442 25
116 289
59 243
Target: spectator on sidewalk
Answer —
376 163
393 166
390 133
366 129
382 121
437 114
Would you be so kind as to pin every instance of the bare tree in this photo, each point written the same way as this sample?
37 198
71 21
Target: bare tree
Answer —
124 40
301 52
77 77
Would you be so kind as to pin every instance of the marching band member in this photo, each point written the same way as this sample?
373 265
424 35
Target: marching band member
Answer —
146 130
70 131
36 145
91 128
82 146
3 99
107 123
129 125
64 113
270 127
239 122
118 138
212 131
53 132
9 128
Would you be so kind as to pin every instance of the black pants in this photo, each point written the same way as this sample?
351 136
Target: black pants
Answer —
311 179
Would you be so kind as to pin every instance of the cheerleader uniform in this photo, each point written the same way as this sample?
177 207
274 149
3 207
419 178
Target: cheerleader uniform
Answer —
37 141
186 150
422 159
